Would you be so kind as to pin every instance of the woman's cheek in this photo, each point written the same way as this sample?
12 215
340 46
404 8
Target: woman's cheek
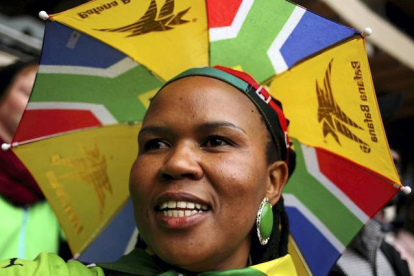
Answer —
134 180
143 171
235 176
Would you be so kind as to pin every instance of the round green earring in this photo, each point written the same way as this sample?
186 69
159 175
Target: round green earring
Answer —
264 221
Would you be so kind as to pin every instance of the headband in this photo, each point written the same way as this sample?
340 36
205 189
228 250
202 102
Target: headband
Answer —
269 108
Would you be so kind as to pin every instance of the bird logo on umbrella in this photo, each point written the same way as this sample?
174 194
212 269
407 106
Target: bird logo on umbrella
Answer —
91 169
150 22
332 117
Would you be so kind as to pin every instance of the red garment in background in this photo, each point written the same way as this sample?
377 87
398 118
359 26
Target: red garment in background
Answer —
17 185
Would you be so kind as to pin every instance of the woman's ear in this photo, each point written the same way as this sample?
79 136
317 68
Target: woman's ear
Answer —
277 178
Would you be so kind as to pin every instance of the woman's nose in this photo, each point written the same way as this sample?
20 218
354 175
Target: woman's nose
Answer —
182 162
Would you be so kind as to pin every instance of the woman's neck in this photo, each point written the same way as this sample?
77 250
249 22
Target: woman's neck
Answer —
234 260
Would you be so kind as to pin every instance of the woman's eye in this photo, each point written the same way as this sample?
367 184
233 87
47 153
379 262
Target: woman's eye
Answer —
215 141
25 91
155 145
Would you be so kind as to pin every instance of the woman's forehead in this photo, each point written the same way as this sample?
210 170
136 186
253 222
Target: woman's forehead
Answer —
199 96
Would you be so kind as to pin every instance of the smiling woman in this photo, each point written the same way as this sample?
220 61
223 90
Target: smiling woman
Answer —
205 164
213 159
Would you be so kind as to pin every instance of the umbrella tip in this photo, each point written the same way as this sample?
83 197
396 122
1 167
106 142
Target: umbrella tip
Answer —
406 190
43 15
5 146
366 32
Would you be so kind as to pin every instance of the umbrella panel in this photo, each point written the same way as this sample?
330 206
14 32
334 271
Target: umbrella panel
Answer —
166 37
323 217
250 36
117 239
336 96
83 84
342 171
84 175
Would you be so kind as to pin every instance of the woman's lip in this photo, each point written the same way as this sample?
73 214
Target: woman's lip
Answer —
179 196
180 222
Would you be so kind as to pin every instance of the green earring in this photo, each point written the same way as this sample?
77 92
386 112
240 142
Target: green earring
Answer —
264 221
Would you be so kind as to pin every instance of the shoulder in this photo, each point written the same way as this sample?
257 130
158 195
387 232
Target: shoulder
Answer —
399 265
46 264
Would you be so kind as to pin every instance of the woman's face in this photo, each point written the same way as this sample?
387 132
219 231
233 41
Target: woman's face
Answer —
200 174
15 101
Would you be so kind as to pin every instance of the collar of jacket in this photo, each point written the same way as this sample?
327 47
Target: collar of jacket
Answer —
138 262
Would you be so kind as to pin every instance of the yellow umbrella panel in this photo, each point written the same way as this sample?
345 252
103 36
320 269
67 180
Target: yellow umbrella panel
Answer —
86 174
344 173
154 33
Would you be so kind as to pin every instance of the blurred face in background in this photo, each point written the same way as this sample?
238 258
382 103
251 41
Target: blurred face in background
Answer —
15 100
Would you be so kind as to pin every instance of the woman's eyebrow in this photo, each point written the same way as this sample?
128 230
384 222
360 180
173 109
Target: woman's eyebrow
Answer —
210 126
153 130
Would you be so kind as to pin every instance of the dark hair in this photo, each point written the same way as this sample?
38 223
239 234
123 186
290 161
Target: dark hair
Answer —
278 242
272 151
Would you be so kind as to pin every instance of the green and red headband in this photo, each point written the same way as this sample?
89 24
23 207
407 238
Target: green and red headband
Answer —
270 109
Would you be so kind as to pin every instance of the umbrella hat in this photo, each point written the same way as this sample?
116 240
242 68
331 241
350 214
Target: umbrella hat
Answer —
103 61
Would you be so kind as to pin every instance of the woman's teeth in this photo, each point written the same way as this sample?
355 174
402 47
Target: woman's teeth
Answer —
180 213
177 206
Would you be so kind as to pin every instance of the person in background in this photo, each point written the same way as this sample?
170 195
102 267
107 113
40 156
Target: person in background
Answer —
402 234
28 225
404 238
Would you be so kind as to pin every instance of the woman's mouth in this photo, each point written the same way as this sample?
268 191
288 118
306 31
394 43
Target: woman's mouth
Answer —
181 208
179 211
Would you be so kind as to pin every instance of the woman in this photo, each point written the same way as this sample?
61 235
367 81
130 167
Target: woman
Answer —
23 208
213 155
